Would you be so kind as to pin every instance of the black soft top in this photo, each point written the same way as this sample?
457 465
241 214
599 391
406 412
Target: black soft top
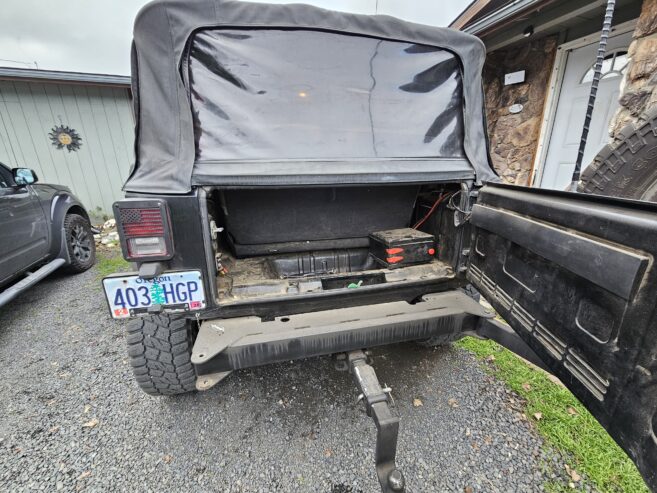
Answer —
165 138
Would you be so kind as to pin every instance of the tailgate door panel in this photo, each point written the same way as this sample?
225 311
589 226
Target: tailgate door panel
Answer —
574 276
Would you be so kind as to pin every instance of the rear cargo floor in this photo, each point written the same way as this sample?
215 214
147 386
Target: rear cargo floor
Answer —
262 277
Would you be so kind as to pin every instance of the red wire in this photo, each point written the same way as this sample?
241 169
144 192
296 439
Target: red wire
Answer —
428 214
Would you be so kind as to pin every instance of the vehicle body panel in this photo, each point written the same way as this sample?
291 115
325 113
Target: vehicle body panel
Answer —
32 221
25 234
575 277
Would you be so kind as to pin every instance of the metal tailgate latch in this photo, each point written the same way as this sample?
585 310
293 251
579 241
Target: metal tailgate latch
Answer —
387 424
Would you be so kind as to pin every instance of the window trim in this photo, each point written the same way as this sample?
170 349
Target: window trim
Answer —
612 72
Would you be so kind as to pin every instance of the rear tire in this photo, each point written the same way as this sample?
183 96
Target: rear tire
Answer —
160 350
628 166
80 243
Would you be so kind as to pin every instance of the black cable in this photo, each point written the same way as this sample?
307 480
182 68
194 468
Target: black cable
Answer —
431 211
602 48
453 206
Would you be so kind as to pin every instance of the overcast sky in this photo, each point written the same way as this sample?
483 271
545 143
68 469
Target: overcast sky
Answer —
95 35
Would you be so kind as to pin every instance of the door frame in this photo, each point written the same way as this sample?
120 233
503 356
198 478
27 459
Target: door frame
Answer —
554 93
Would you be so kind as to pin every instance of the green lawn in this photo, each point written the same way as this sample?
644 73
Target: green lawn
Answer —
563 422
109 262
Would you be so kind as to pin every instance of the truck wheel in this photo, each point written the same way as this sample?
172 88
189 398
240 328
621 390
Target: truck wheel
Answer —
160 350
628 166
80 243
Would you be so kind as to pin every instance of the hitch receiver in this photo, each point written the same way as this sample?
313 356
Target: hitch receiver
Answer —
387 424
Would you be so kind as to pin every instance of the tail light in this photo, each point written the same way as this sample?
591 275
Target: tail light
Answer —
144 228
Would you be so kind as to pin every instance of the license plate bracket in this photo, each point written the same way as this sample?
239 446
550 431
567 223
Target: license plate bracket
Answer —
130 296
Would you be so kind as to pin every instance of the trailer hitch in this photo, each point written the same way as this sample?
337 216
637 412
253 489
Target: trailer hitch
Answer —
387 424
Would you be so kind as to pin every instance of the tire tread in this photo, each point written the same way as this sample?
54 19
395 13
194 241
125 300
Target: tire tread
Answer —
627 167
160 350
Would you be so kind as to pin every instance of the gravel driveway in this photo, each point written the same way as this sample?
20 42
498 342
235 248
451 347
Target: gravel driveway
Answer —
72 419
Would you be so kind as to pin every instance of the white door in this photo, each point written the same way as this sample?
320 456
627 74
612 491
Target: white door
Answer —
571 109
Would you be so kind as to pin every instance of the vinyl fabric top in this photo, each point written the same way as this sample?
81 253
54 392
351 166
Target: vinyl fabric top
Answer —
165 145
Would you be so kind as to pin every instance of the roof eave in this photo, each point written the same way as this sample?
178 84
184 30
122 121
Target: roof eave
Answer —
500 15
9 73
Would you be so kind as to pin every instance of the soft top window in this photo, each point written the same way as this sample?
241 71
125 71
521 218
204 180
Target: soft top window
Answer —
268 94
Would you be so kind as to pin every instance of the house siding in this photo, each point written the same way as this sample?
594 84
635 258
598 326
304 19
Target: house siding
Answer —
100 115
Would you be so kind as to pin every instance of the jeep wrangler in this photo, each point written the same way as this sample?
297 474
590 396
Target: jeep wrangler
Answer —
310 182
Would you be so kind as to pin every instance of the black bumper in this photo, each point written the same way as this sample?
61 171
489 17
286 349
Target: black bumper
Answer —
230 344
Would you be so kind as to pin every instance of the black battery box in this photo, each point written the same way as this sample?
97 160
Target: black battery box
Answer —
400 247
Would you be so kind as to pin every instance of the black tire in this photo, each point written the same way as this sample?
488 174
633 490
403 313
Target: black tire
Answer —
628 166
160 350
80 243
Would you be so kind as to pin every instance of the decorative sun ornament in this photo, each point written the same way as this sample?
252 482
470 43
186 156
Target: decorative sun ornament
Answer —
62 137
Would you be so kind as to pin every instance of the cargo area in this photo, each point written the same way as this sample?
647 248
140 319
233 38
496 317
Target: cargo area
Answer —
270 244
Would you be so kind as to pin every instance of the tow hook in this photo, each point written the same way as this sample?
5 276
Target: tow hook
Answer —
376 400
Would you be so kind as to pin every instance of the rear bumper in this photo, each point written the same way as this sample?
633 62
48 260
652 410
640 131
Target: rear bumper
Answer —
229 344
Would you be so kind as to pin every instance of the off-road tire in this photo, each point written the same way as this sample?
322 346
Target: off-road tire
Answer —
436 341
627 167
160 350
80 261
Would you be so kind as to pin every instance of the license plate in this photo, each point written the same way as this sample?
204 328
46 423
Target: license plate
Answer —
173 291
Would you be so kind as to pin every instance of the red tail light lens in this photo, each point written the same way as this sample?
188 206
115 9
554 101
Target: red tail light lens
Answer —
142 222
144 228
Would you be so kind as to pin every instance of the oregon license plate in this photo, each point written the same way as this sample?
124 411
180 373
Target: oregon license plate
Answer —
172 292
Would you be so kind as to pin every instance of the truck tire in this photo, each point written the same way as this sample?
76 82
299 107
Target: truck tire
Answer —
160 350
628 166
80 243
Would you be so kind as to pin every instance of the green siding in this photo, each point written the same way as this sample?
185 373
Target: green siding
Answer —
102 116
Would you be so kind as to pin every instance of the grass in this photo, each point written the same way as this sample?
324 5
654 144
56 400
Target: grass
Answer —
564 422
108 262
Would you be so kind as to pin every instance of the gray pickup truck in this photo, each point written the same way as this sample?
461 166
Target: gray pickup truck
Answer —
310 182
42 227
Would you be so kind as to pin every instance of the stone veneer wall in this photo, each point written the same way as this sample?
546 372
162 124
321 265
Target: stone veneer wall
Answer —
639 89
514 137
